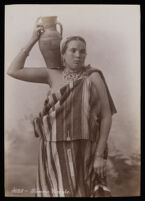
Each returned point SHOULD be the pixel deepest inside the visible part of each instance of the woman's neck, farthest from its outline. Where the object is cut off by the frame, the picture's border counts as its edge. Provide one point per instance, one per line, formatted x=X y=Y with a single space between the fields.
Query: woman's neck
x=76 y=70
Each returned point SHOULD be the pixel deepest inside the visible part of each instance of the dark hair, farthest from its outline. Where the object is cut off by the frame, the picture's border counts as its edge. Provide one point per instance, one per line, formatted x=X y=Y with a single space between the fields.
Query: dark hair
x=67 y=40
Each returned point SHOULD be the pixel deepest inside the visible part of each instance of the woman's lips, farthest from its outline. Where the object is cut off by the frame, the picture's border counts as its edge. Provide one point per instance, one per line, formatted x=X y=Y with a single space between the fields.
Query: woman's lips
x=77 y=61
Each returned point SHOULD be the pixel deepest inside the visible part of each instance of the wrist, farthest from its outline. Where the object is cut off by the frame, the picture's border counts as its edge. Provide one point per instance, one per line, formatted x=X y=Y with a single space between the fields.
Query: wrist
x=33 y=41
x=28 y=48
x=99 y=155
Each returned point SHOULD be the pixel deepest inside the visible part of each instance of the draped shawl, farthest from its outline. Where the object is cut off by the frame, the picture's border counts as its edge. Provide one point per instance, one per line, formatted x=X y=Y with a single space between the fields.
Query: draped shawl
x=67 y=114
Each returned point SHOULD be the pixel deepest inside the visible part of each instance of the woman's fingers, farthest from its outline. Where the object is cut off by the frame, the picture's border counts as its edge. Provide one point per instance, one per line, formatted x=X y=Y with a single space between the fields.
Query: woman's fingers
x=39 y=30
x=100 y=167
x=101 y=171
x=39 y=26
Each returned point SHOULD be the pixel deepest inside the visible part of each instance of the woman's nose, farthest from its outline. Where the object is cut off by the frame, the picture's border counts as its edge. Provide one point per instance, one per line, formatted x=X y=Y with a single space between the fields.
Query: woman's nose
x=77 y=54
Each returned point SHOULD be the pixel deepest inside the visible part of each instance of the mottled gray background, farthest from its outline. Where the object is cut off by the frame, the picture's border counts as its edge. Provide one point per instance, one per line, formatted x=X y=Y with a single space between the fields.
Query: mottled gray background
x=112 y=33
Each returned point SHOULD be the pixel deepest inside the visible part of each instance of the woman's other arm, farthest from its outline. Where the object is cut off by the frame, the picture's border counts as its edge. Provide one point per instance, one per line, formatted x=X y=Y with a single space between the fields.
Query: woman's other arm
x=17 y=70
x=105 y=123
x=106 y=116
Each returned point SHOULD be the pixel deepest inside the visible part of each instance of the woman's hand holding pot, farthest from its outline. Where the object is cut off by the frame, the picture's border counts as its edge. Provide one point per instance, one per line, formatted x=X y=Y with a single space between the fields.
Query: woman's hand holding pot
x=38 y=30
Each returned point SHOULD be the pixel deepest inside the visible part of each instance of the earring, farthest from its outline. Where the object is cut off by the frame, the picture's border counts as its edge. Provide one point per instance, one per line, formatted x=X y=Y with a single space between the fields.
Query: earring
x=62 y=61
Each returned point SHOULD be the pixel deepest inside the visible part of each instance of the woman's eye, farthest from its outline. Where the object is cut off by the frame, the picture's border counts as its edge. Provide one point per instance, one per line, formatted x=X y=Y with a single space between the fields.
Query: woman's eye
x=73 y=50
x=83 y=52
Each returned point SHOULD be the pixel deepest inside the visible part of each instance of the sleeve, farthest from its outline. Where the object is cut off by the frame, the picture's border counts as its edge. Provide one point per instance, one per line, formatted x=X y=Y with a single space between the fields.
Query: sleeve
x=111 y=102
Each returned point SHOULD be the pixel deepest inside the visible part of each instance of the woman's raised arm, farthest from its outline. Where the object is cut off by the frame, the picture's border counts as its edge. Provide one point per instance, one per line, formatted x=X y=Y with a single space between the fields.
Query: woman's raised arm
x=17 y=70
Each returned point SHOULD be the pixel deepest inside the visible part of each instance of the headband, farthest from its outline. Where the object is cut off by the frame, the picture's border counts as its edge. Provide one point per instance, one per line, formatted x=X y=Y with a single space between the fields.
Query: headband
x=65 y=41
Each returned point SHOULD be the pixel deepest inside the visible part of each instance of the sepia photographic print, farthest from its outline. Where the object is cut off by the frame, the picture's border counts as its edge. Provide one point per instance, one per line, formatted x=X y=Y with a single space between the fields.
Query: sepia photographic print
x=72 y=100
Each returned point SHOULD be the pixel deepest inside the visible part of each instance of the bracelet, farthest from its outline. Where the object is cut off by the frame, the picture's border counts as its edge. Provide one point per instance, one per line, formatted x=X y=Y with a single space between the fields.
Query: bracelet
x=23 y=50
x=98 y=155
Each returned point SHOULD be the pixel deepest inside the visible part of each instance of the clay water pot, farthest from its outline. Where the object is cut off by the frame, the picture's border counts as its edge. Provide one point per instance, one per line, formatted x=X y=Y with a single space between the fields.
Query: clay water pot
x=49 y=42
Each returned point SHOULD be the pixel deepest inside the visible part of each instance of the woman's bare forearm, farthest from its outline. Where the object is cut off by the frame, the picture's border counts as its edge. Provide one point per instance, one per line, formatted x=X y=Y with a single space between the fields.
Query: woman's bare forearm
x=104 y=133
x=19 y=61
x=17 y=70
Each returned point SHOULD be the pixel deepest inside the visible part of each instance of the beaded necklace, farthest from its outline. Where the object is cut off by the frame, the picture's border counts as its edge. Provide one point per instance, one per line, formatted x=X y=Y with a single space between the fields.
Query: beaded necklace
x=70 y=76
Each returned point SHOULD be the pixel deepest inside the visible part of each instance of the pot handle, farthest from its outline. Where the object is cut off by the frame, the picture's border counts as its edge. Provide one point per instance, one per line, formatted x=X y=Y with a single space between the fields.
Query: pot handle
x=61 y=28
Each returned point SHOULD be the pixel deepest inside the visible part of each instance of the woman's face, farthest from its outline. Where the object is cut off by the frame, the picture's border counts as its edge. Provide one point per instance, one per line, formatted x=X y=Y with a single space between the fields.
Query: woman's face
x=75 y=54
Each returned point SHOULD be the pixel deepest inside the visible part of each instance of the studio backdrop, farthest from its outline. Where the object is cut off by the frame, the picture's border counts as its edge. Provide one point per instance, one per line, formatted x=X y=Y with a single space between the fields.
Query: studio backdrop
x=112 y=33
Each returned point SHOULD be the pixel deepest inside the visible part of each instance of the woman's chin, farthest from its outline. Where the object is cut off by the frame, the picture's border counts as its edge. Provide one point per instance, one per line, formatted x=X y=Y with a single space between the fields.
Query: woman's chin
x=76 y=67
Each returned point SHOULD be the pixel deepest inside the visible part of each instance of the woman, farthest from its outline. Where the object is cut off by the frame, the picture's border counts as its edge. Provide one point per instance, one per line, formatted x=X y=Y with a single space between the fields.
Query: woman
x=74 y=124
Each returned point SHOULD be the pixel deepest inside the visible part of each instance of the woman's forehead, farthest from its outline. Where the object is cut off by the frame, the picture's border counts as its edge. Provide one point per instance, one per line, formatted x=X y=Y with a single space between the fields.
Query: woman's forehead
x=76 y=44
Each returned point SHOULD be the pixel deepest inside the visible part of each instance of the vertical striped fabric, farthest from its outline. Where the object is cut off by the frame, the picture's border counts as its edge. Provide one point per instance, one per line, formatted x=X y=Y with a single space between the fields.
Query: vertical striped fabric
x=65 y=169
x=68 y=129
x=67 y=114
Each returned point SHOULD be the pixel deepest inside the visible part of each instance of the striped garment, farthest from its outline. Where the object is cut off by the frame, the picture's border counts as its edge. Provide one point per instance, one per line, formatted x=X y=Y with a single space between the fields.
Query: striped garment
x=68 y=129
x=70 y=113
x=65 y=169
